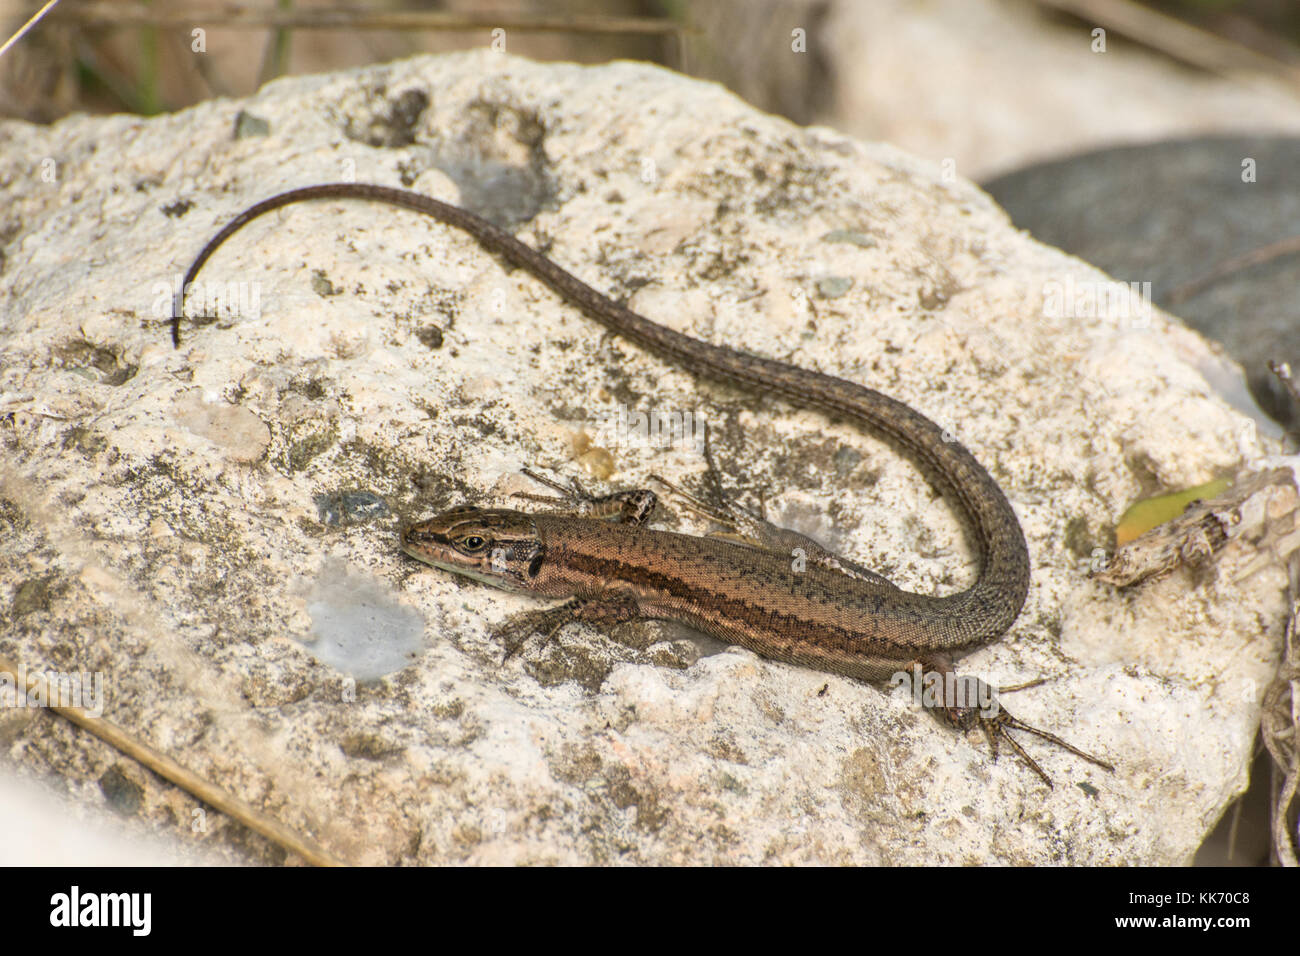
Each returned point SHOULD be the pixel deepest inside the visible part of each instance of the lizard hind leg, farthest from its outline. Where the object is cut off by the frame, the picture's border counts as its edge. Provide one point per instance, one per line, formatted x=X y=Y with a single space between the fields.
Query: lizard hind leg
x=966 y=702
x=1003 y=722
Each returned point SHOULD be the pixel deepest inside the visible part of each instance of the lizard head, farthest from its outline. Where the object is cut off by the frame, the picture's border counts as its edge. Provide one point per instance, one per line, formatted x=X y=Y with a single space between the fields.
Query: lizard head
x=496 y=546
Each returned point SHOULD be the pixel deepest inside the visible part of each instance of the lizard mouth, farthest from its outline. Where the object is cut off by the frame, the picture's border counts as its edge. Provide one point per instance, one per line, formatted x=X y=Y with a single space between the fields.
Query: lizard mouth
x=436 y=550
x=472 y=571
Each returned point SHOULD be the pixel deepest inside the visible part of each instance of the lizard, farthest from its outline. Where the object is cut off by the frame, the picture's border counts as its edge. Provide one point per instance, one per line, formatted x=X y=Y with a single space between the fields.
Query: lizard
x=610 y=567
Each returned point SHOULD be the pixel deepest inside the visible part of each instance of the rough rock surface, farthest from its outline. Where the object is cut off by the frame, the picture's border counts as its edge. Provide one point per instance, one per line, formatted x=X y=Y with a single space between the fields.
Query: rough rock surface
x=190 y=523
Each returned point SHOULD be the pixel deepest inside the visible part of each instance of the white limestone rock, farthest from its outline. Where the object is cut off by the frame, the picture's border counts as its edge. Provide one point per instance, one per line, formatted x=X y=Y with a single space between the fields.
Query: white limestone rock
x=163 y=512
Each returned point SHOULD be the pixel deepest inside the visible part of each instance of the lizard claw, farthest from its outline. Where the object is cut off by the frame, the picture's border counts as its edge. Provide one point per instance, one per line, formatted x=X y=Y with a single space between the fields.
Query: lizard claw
x=996 y=722
x=515 y=633
x=997 y=726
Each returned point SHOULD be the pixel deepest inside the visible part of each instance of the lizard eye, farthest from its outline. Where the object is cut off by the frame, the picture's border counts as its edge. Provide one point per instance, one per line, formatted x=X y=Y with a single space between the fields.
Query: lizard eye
x=473 y=542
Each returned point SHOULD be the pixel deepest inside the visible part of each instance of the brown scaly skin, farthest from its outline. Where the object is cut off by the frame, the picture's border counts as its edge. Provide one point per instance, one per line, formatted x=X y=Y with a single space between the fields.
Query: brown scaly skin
x=816 y=617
